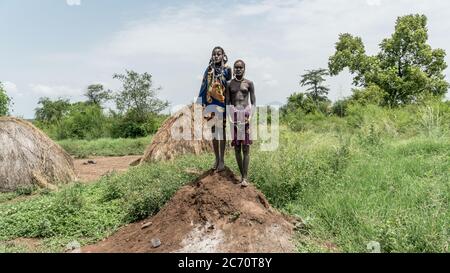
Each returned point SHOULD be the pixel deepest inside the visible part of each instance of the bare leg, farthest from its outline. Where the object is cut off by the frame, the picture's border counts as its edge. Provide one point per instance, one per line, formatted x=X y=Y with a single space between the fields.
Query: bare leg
x=215 y=143
x=246 y=161
x=237 y=151
x=221 y=160
x=222 y=146
x=245 y=164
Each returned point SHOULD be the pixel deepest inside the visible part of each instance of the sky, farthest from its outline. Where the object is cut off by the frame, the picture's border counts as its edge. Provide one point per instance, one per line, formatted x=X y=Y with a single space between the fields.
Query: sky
x=56 y=48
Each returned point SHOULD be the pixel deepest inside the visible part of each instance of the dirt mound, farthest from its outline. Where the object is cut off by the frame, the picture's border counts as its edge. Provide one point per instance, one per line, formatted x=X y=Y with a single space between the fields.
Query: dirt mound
x=166 y=147
x=212 y=214
x=28 y=156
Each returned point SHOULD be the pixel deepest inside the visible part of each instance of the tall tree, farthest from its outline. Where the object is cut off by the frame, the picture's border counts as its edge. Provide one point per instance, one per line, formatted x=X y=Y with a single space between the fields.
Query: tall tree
x=51 y=111
x=5 y=101
x=96 y=94
x=138 y=95
x=406 y=67
x=315 y=79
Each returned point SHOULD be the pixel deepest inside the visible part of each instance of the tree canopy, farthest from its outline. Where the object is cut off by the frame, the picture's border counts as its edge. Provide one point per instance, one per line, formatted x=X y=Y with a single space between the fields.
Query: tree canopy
x=96 y=94
x=138 y=96
x=315 y=79
x=405 y=69
x=49 y=111
x=5 y=101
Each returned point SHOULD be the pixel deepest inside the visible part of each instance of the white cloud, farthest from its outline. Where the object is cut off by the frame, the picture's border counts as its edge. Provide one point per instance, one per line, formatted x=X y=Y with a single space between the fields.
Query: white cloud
x=278 y=40
x=255 y=8
x=373 y=2
x=10 y=87
x=73 y=2
x=269 y=80
x=176 y=33
x=54 y=90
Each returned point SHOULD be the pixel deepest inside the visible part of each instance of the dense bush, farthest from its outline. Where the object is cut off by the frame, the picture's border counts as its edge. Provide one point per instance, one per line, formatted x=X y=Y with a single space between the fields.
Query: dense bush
x=340 y=107
x=84 y=121
x=63 y=120
x=89 y=121
x=128 y=126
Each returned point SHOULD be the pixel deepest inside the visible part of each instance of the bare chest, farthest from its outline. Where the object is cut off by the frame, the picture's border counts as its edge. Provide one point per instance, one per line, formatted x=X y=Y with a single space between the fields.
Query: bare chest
x=239 y=87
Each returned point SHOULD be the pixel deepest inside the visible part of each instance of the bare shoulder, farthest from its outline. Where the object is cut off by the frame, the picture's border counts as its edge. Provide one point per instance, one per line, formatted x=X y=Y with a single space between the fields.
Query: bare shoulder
x=249 y=82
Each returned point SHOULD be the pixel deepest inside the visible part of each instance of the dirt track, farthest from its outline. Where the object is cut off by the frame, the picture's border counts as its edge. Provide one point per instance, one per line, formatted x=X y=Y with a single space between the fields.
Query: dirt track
x=91 y=172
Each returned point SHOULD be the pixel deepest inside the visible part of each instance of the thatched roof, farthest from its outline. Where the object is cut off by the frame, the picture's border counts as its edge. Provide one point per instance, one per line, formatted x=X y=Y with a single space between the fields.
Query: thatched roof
x=165 y=147
x=29 y=157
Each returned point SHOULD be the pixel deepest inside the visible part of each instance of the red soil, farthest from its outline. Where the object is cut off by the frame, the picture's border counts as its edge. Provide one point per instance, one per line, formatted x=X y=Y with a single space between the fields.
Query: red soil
x=212 y=214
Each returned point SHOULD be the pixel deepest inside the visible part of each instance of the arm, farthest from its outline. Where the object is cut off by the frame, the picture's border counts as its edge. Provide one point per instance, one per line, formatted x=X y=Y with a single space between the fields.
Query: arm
x=227 y=95
x=229 y=73
x=202 y=94
x=252 y=98
x=252 y=94
x=228 y=99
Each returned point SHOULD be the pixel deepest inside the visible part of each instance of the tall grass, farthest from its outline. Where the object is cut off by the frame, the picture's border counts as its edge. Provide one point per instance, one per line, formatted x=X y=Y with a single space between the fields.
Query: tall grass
x=393 y=186
x=377 y=175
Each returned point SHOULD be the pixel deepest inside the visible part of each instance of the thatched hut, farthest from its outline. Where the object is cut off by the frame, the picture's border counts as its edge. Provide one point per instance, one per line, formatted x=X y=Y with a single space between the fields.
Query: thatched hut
x=28 y=157
x=188 y=123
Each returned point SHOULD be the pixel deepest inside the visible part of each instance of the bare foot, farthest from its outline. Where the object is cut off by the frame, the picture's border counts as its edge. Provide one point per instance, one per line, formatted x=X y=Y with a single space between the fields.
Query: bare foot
x=220 y=167
x=244 y=183
x=216 y=164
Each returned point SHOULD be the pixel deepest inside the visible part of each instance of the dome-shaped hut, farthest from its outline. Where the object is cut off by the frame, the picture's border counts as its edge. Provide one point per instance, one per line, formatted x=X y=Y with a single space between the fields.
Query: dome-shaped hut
x=171 y=141
x=29 y=157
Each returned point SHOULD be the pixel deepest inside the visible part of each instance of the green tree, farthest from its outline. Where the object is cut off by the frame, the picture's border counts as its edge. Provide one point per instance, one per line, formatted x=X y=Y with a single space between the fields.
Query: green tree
x=51 y=111
x=298 y=101
x=96 y=94
x=302 y=103
x=138 y=106
x=406 y=68
x=315 y=79
x=138 y=95
x=83 y=121
x=5 y=101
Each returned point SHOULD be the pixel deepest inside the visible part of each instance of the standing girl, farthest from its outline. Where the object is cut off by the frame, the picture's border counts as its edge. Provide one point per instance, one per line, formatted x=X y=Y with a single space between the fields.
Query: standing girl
x=212 y=97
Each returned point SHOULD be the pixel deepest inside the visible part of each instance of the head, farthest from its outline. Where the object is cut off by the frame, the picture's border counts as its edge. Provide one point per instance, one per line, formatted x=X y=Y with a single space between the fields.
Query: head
x=239 y=68
x=218 y=56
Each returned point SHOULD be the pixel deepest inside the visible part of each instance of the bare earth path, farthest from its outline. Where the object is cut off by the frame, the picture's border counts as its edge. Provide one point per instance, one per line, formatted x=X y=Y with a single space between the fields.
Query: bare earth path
x=92 y=172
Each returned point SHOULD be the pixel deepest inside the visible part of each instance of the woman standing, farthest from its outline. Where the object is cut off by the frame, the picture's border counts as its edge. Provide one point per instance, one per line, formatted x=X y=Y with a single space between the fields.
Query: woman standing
x=240 y=96
x=212 y=97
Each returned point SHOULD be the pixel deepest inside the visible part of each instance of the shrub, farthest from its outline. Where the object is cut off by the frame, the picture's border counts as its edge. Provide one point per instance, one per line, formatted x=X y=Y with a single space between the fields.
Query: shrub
x=340 y=107
x=128 y=126
x=70 y=200
x=84 y=121
x=26 y=190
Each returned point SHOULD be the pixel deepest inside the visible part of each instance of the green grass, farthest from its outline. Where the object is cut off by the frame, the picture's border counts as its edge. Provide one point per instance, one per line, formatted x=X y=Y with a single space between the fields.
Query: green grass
x=90 y=212
x=352 y=181
x=105 y=147
x=383 y=195
x=8 y=196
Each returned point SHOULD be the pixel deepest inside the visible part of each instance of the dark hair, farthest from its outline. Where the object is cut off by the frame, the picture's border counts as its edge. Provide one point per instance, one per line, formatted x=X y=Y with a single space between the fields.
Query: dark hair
x=225 y=57
x=239 y=61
